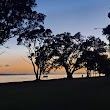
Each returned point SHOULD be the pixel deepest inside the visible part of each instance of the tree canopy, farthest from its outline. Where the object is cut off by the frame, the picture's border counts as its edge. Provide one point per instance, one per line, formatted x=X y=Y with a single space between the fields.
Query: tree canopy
x=17 y=17
x=64 y=51
x=47 y=51
x=90 y=57
x=106 y=30
x=74 y=52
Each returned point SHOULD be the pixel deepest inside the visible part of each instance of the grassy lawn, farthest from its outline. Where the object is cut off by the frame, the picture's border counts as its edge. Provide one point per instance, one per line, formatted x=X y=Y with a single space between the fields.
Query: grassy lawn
x=62 y=94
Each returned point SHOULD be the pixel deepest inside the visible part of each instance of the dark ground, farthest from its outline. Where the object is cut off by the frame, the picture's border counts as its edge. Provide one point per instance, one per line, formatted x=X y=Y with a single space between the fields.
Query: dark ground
x=61 y=94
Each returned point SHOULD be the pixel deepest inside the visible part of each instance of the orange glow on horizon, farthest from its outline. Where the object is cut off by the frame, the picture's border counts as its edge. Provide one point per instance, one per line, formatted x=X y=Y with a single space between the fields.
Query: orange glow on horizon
x=25 y=68
x=16 y=65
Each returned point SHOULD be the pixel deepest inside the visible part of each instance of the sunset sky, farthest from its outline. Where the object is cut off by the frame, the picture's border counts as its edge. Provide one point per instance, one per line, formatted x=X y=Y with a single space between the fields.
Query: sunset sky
x=61 y=16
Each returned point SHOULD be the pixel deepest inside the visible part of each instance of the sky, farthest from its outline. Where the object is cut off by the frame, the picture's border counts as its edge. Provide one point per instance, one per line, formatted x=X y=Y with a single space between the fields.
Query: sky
x=61 y=16
x=75 y=15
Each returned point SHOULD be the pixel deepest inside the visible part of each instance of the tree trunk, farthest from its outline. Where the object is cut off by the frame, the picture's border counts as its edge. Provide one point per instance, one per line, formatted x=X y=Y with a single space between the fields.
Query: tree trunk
x=69 y=75
x=88 y=74
x=36 y=74
x=40 y=74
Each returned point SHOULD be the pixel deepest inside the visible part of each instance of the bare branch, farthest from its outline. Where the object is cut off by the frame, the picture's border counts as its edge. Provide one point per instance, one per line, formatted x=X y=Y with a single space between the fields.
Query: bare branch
x=25 y=60
x=2 y=52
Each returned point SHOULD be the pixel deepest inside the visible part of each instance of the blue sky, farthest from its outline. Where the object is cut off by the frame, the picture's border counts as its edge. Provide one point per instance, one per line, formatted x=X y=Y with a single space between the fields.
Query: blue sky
x=61 y=16
x=75 y=15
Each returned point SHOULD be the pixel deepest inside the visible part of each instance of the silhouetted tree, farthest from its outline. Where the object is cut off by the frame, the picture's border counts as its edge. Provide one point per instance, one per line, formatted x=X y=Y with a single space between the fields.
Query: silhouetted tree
x=20 y=20
x=104 y=65
x=106 y=31
x=37 y=47
x=88 y=61
x=14 y=17
x=65 y=49
x=41 y=52
x=93 y=49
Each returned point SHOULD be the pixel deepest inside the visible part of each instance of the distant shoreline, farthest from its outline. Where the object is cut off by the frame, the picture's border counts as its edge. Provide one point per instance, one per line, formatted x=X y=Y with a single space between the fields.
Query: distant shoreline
x=34 y=74
x=14 y=74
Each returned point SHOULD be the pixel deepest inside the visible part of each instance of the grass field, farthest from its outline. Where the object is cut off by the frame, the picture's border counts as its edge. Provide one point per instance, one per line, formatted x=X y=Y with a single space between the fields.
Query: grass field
x=61 y=94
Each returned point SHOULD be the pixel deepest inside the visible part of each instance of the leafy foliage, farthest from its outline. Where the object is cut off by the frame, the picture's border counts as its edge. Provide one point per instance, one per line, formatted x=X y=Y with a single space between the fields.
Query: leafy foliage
x=37 y=46
x=65 y=49
x=106 y=30
x=17 y=18
x=94 y=48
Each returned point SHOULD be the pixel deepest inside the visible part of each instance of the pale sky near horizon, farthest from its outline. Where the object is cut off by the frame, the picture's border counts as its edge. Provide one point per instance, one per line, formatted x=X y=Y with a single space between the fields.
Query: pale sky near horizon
x=61 y=16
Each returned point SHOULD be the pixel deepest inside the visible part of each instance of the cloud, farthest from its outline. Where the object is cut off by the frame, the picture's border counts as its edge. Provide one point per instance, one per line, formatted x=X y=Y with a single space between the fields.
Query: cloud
x=7 y=65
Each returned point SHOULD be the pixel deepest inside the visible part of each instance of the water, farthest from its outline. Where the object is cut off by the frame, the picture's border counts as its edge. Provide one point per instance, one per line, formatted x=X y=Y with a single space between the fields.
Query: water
x=20 y=78
x=16 y=78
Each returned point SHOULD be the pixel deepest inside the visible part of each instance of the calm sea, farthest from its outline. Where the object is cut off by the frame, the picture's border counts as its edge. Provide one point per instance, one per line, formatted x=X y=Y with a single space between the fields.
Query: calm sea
x=20 y=78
